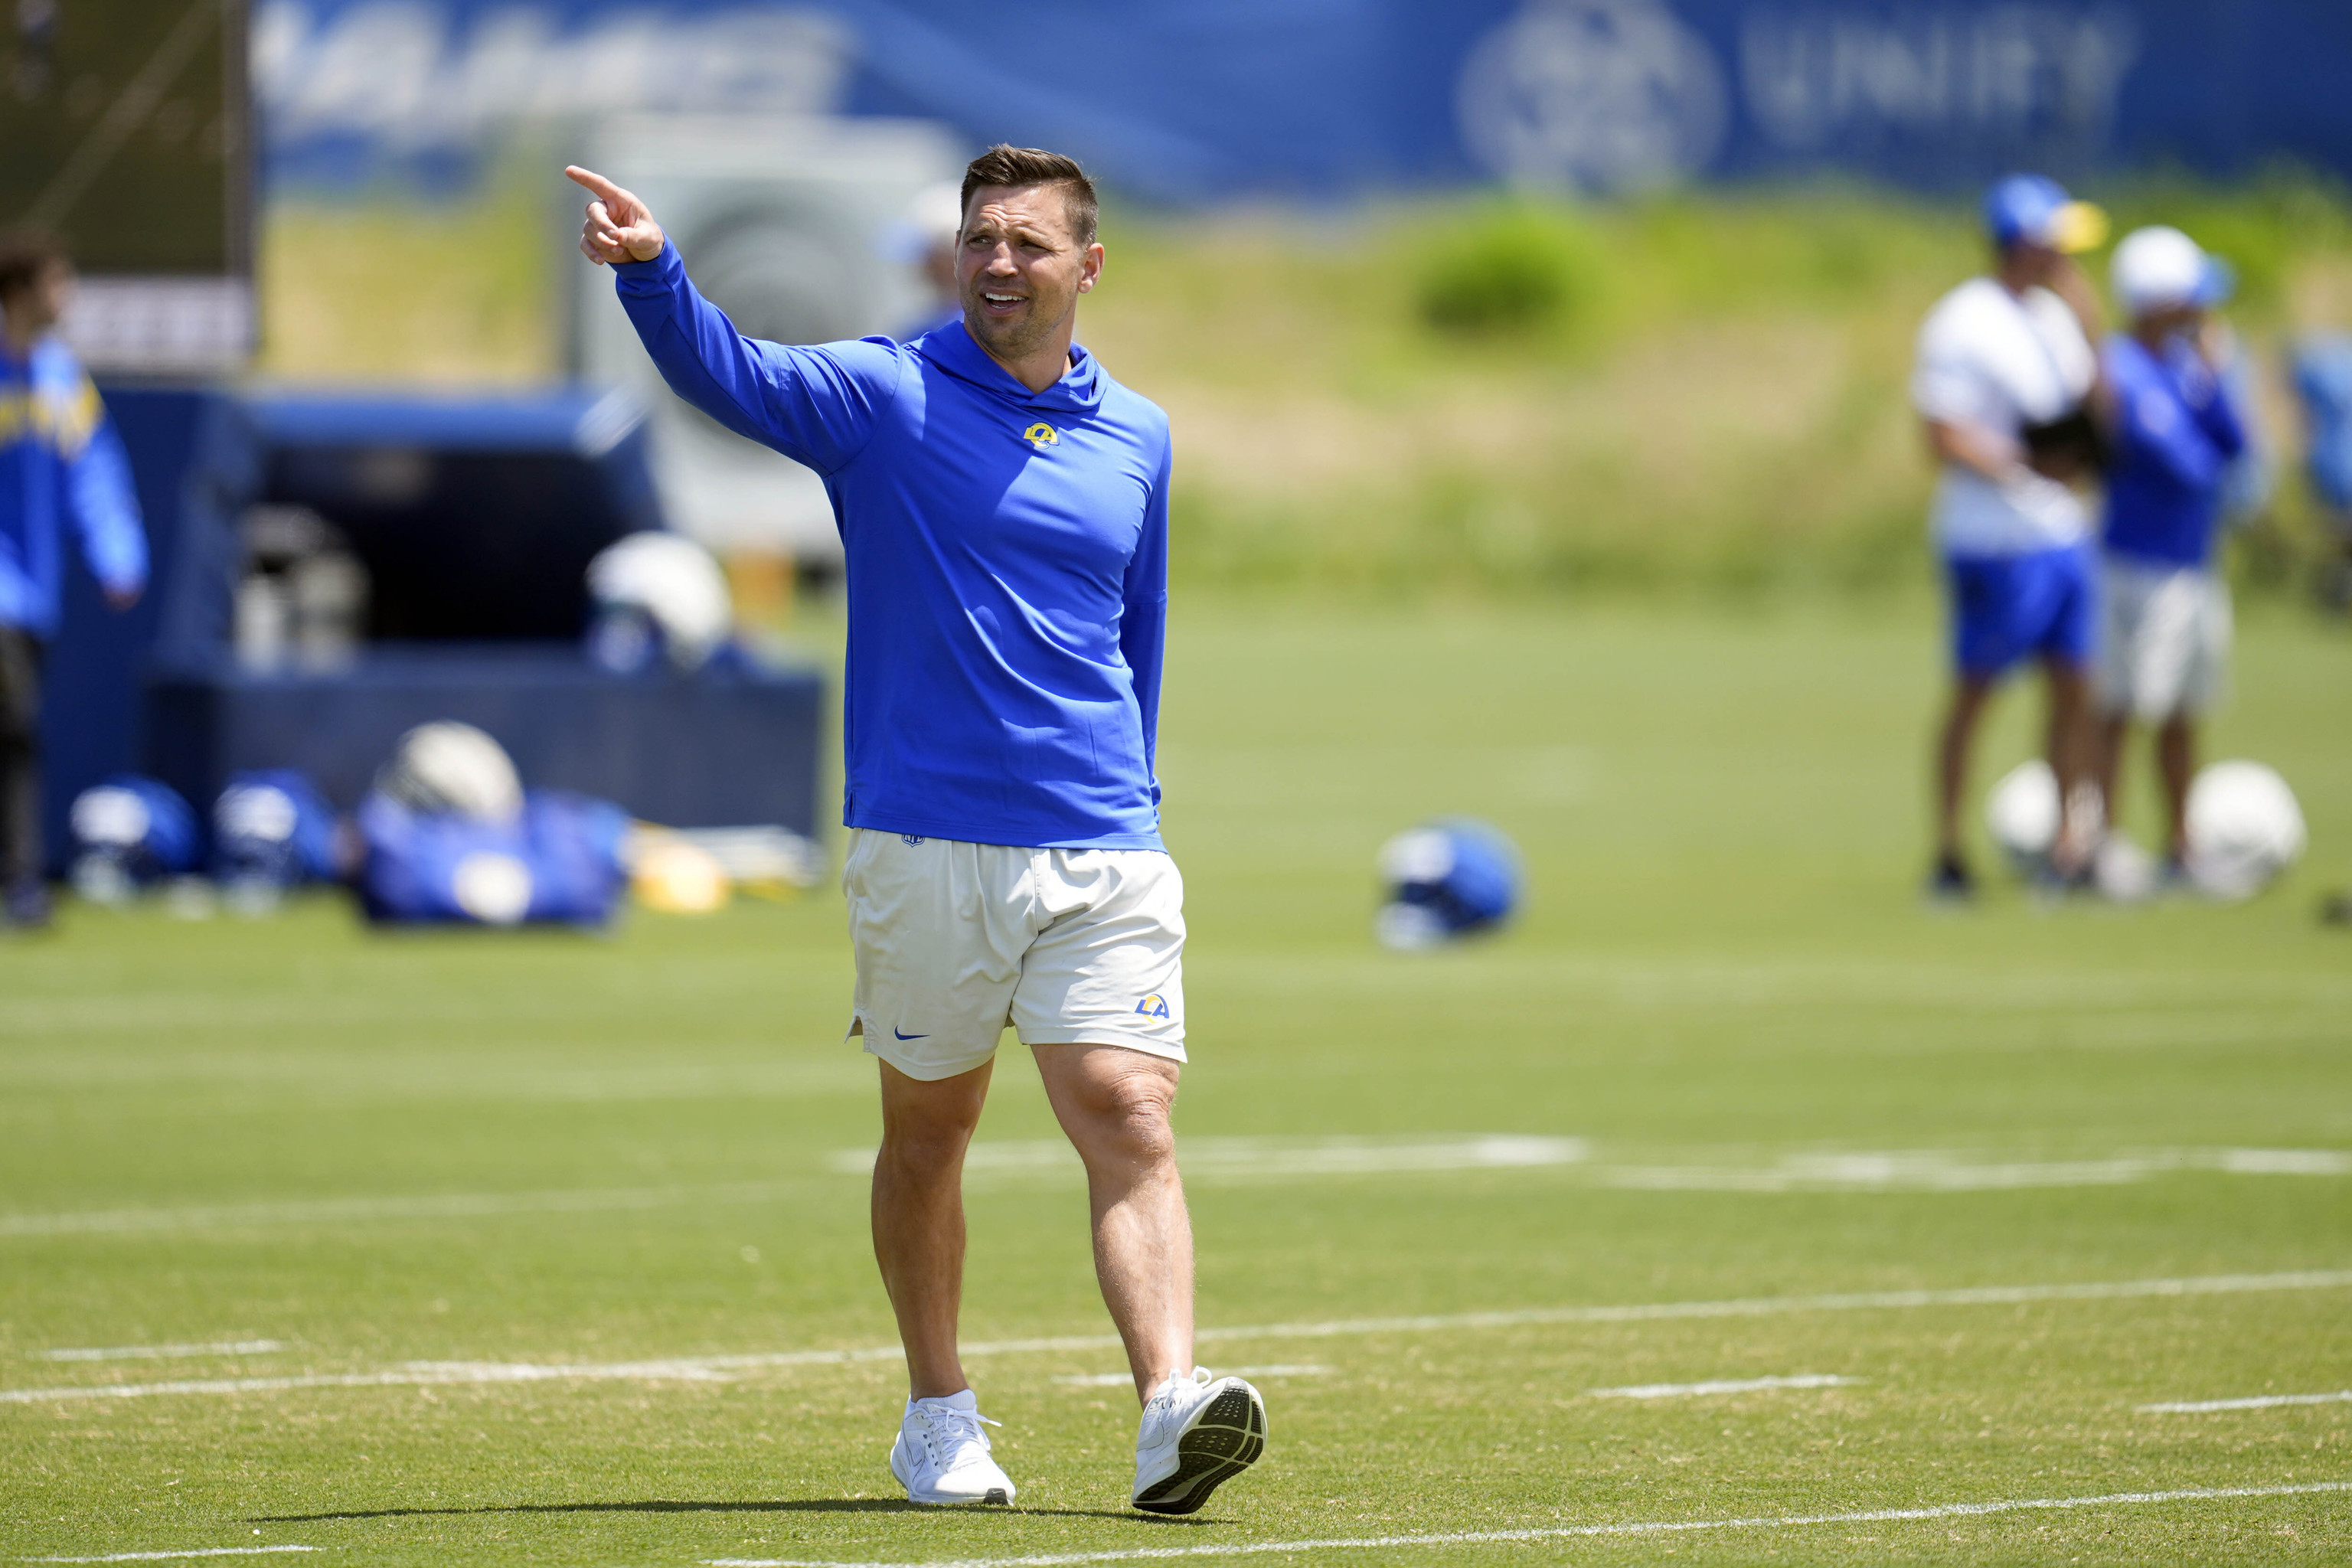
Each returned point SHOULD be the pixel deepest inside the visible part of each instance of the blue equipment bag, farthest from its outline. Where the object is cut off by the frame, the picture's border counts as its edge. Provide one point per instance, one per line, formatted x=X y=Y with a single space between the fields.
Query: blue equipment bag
x=561 y=862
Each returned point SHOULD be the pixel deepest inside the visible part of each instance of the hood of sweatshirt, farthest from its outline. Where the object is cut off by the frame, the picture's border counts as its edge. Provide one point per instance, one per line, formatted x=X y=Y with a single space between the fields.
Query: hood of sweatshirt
x=949 y=347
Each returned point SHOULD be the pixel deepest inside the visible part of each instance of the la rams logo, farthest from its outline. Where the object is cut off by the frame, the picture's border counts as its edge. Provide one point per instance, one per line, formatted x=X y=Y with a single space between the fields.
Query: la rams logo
x=1153 y=1006
x=1041 y=435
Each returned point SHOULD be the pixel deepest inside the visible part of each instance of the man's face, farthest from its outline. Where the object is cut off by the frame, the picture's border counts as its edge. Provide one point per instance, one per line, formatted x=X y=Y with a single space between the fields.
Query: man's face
x=42 y=303
x=1019 y=269
x=2181 y=320
x=2039 y=262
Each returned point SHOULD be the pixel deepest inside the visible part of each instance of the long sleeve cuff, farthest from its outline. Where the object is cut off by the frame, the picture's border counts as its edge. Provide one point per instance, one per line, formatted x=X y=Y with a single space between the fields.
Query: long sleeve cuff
x=654 y=276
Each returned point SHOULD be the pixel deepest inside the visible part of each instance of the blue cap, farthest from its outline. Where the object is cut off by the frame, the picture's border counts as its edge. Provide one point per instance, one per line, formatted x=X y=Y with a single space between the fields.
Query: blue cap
x=2036 y=210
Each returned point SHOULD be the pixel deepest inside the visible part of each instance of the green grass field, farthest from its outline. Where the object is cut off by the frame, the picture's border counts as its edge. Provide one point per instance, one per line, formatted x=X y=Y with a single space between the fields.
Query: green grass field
x=539 y=1230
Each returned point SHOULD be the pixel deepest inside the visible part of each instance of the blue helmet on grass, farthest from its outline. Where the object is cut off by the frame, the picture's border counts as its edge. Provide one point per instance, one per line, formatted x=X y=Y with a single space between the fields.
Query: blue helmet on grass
x=1444 y=880
x=272 y=830
x=129 y=832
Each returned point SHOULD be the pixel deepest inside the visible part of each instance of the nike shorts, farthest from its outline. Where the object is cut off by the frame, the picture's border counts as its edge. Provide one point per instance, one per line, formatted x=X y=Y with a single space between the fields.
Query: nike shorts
x=2005 y=608
x=2167 y=639
x=956 y=940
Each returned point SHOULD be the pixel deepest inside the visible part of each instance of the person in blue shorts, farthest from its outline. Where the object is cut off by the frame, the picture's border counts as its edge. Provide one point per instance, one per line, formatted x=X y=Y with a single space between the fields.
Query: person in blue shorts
x=1002 y=505
x=2179 y=427
x=2006 y=384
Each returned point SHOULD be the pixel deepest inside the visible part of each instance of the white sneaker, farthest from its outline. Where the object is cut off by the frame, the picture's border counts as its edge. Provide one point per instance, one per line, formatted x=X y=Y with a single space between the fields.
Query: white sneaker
x=1197 y=1433
x=942 y=1454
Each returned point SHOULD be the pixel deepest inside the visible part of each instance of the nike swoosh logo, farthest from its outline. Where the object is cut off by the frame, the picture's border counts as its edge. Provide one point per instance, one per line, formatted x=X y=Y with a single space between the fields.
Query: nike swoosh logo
x=894 y=1029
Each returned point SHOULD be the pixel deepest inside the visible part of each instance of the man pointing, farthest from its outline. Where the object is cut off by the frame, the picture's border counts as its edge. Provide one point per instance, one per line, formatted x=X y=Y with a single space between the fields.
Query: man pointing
x=1004 y=513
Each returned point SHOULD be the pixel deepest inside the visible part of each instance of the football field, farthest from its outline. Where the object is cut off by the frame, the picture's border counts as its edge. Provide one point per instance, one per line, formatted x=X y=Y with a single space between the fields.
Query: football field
x=1733 y=1205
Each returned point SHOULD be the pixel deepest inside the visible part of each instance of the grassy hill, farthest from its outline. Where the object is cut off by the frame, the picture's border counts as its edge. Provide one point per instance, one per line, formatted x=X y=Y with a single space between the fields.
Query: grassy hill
x=1472 y=396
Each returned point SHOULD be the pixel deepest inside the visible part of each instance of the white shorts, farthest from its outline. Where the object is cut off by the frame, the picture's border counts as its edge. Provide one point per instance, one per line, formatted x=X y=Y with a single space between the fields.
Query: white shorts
x=2166 y=643
x=955 y=940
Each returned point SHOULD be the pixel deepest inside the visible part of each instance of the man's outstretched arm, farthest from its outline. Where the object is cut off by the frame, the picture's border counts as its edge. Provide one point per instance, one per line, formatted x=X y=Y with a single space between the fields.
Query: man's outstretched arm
x=816 y=405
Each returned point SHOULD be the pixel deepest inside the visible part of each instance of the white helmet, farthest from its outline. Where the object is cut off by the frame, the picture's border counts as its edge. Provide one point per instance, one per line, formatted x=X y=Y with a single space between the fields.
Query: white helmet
x=2244 y=829
x=447 y=767
x=675 y=584
x=2022 y=813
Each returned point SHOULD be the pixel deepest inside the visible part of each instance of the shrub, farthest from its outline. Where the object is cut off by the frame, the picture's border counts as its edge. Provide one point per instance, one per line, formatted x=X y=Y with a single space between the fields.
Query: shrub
x=1510 y=268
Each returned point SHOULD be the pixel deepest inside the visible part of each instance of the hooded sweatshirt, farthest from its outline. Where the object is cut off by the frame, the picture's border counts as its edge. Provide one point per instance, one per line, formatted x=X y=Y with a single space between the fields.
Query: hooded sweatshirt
x=61 y=460
x=1007 y=560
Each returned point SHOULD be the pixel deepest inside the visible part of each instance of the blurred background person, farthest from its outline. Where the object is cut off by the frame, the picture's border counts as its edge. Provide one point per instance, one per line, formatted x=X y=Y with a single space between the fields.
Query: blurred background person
x=2004 y=379
x=59 y=459
x=925 y=239
x=2178 y=428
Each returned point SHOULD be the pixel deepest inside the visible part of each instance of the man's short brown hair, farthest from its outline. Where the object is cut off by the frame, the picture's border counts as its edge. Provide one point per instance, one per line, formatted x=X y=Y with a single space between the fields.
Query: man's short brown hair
x=1015 y=168
x=25 y=254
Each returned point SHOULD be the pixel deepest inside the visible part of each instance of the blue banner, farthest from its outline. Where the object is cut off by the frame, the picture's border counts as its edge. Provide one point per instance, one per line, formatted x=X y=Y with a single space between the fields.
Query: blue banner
x=1203 y=101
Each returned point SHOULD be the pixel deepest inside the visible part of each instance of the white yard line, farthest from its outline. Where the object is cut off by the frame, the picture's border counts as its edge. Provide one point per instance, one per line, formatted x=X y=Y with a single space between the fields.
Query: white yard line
x=1121 y=1379
x=162 y=1556
x=1239 y=1161
x=336 y=1211
x=2255 y=1402
x=710 y=1368
x=164 y=1352
x=1725 y=1385
x=1571 y=1532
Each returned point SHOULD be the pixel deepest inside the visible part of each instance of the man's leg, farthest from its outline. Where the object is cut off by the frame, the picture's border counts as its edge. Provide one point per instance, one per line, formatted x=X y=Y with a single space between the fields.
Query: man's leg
x=20 y=775
x=2071 y=744
x=1958 y=739
x=1114 y=1104
x=2112 y=733
x=2175 y=761
x=919 y=1232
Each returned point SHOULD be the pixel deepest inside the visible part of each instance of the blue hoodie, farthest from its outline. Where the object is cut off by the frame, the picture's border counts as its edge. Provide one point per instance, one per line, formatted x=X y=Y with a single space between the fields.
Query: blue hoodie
x=1007 y=554
x=59 y=458
x=2178 y=430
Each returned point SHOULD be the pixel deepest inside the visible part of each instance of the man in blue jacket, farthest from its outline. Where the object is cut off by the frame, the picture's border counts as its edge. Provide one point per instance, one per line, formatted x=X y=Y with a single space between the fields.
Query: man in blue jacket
x=59 y=459
x=1002 y=505
x=2178 y=430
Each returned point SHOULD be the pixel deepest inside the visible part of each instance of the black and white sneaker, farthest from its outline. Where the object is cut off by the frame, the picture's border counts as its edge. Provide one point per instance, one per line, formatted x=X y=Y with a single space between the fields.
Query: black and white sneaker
x=1199 y=1432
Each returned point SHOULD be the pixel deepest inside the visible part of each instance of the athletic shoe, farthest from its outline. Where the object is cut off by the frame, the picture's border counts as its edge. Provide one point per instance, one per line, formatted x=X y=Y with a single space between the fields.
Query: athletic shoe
x=1949 y=882
x=942 y=1454
x=1199 y=1432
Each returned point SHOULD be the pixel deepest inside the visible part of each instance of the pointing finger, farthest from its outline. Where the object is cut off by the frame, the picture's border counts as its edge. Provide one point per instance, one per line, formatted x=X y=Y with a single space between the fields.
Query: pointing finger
x=594 y=180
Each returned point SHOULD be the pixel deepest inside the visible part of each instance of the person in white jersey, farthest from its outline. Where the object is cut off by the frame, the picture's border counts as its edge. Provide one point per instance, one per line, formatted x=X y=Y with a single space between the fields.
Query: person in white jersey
x=2007 y=384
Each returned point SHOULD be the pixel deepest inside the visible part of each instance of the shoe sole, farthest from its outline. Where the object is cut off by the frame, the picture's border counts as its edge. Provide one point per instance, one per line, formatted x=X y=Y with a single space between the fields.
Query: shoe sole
x=1224 y=1440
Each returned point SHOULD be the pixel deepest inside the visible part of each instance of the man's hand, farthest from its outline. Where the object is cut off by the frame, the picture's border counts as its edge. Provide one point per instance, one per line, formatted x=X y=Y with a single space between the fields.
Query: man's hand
x=619 y=228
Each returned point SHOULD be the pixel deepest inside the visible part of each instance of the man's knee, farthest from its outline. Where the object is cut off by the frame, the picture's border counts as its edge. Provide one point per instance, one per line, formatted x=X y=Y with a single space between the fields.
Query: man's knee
x=1124 y=1114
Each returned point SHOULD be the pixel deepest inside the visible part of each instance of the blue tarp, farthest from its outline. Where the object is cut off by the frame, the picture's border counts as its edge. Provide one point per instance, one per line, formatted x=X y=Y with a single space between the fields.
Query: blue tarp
x=1190 y=101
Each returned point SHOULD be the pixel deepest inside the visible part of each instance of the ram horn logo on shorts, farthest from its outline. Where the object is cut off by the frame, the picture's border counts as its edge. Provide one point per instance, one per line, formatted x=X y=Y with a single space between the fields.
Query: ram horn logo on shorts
x=1041 y=435
x=1153 y=1006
